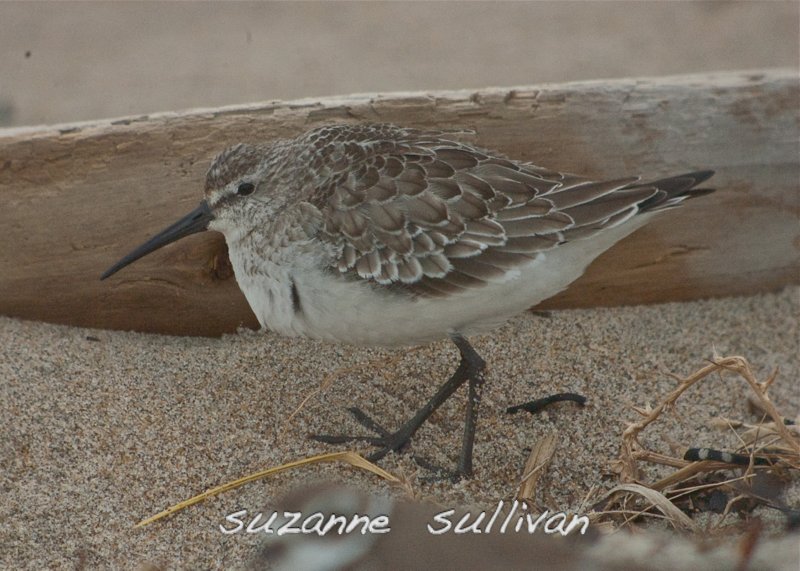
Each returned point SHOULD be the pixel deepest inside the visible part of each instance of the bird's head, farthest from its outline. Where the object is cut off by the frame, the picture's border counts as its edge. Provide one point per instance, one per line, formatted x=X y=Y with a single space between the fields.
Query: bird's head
x=236 y=187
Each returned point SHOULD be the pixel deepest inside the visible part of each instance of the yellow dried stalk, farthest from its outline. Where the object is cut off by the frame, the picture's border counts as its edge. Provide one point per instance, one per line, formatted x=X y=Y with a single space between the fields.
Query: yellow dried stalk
x=348 y=457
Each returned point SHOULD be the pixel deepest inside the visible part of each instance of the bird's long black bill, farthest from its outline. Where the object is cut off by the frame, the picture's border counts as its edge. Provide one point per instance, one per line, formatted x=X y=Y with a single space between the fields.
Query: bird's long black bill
x=196 y=221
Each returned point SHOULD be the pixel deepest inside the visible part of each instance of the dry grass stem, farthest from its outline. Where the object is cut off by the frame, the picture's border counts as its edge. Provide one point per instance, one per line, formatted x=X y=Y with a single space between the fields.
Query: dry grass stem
x=348 y=457
x=657 y=500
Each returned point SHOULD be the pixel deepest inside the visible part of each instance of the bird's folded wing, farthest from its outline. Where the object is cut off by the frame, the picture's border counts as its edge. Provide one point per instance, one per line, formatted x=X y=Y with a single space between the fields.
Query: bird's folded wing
x=438 y=216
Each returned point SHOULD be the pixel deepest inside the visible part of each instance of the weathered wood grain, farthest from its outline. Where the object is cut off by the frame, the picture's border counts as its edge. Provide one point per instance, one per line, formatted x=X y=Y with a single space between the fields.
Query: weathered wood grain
x=76 y=197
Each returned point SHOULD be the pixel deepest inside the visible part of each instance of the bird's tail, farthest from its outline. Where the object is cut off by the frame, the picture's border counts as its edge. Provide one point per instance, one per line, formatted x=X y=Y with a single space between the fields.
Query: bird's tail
x=674 y=190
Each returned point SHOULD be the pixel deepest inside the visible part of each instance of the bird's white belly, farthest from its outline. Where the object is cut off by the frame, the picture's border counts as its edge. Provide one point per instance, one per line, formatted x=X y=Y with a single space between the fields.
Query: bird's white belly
x=328 y=306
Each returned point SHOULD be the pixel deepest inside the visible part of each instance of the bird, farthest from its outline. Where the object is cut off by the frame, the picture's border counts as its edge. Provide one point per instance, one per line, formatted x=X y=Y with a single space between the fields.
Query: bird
x=375 y=234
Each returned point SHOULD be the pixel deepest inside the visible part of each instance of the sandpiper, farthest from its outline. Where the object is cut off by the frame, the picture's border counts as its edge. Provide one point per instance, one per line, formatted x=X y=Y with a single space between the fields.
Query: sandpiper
x=381 y=235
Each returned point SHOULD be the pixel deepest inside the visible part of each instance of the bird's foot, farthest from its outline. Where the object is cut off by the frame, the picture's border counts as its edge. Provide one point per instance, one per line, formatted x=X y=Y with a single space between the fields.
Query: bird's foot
x=388 y=442
x=470 y=369
x=385 y=441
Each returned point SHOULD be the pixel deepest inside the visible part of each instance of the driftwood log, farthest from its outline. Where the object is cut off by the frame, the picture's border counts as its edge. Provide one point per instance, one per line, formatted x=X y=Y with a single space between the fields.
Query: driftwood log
x=77 y=197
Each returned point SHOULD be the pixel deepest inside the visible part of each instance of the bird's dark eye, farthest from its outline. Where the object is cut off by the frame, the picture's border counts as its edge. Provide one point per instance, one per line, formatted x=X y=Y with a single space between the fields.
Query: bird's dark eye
x=245 y=188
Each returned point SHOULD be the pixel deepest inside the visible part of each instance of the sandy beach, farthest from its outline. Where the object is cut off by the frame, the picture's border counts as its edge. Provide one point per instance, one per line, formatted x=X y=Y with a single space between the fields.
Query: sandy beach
x=102 y=429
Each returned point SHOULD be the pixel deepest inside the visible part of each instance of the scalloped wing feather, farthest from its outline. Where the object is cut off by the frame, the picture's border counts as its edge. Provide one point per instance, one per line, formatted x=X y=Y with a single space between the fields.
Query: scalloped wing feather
x=439 y=217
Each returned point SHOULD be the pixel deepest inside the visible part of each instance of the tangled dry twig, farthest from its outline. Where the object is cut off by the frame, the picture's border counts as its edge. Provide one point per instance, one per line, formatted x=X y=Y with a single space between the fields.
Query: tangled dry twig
x=776 y=444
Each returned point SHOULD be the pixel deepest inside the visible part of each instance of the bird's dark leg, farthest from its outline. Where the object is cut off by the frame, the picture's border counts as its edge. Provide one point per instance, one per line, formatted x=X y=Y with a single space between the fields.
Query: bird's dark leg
x=476 y=380
x=470 y=368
